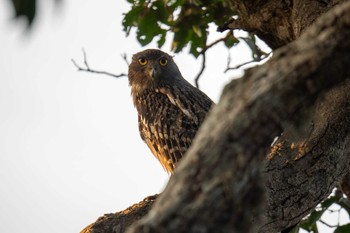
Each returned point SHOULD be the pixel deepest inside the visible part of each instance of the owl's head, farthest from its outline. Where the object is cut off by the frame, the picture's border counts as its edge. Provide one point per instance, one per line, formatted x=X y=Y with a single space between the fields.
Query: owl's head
x=152 y=68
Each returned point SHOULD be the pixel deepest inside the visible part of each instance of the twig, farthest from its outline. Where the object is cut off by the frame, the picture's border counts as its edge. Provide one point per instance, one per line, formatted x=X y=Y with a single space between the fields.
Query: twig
x=234 y=23
x=201 y=71
x=216 y=42
x=203 y=51
x=88 y=69
x=328 y=225
x=243 y=64
x=125 y=58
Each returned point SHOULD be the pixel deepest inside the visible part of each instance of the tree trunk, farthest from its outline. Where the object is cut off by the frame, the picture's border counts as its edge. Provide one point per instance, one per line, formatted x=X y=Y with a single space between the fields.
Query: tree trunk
x=232 y=179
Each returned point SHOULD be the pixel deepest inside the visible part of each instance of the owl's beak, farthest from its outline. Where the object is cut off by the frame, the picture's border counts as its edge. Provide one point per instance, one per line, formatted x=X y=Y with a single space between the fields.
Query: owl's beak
x=153 y=72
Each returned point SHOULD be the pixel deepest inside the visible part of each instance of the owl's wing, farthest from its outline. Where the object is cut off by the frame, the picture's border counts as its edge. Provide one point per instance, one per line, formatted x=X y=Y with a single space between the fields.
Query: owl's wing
x=165 y=142
x=192 y=102
x=169 y=128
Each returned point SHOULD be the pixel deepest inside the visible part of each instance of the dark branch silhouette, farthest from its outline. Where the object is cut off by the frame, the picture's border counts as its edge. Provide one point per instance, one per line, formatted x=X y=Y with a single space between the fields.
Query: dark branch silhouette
x=201 y=71
x=88 y=69
x=243 y=64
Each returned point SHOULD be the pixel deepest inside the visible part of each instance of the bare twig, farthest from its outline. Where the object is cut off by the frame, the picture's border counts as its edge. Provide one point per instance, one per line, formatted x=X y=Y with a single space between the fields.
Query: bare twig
x=216 y=42
x=201 y=71
x=232 y=24
x=88 y=69
x=243 y=64
x=125 y=58
x=328 y=225
x=203 y=51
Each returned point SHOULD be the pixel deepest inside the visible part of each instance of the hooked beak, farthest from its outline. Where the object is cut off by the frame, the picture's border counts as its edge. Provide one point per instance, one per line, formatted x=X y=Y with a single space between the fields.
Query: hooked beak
x=153 y=72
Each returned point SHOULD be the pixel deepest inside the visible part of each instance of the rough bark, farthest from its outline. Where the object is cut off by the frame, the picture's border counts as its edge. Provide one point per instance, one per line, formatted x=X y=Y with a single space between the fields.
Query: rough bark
x=278 y=22
x=303 y=92
x=120 y=221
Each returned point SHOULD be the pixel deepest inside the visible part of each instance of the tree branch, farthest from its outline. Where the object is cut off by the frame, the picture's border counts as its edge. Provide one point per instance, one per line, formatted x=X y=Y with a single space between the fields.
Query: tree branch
x=223 y=39
x=203 y=53
x=120 y=221
x=228 y=68
x=88 y=69
x=201 y=71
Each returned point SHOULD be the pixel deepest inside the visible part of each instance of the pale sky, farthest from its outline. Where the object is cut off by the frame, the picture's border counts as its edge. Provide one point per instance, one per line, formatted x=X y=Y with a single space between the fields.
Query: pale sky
x=70 y=150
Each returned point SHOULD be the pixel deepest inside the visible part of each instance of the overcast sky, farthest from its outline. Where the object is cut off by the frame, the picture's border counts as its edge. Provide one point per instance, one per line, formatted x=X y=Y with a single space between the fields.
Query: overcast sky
x=70 y=150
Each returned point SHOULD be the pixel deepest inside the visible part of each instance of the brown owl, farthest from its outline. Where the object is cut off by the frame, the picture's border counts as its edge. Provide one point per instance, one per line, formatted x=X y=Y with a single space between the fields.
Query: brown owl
x=170 y=110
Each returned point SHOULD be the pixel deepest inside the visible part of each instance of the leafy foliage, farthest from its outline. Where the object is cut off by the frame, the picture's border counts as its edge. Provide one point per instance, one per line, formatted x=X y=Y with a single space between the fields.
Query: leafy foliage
x=25 y=8
x=188 y=20
x=309 y=224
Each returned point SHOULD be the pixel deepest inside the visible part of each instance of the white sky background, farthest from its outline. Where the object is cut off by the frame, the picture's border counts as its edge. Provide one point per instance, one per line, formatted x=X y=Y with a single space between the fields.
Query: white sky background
x=70 y=150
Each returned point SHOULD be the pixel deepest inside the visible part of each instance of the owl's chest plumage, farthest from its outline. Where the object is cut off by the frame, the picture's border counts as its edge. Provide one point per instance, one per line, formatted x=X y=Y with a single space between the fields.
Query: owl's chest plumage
x=167 y=123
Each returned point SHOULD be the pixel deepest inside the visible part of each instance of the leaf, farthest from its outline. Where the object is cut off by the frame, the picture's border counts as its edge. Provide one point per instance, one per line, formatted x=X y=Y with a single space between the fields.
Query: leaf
x=162 y=38
x=26 y=8
x=295 y=229
x=187 y=20
x=231 y=41
x=343 y=229
x=315 y=216
x=345 y=204
x=197 y=30
x=131 y=18
x=180 y=40
x=328 y=202
x=148 y=27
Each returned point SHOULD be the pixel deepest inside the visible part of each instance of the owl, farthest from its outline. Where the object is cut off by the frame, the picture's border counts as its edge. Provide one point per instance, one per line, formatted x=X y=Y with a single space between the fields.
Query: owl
x=170 y=110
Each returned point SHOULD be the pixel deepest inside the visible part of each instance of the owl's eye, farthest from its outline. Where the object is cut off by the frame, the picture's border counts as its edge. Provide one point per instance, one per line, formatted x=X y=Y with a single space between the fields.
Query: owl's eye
x=143 y=61
x=163 y=61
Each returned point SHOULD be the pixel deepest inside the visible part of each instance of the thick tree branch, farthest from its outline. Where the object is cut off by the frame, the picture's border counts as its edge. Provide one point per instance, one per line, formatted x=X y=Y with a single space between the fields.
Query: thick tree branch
x=120 y=221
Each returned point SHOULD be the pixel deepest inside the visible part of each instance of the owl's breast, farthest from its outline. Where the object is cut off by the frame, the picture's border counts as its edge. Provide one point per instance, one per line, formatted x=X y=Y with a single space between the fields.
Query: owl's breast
x=168 y=122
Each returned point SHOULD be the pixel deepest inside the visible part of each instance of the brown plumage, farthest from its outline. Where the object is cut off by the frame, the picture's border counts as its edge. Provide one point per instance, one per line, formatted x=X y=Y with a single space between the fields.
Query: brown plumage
x=170 y=110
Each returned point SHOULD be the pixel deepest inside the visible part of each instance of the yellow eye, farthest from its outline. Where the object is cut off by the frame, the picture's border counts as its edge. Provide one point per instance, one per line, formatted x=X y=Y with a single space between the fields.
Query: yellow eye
x=163 y=61
x=143 y=61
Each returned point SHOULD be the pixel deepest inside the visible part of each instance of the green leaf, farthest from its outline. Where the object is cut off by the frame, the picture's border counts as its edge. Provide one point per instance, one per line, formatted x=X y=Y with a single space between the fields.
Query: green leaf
x=343 y=229
x=162 y=38
x=345 y=204
x=197 y=30
x=25 y=8
x=309 y=223
x=295 y=229
x=148 y=27
x=131 y=18
x=231 y=41
x=180 y=40
x=187 y=20
x=328 y=202
x=315 y=216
